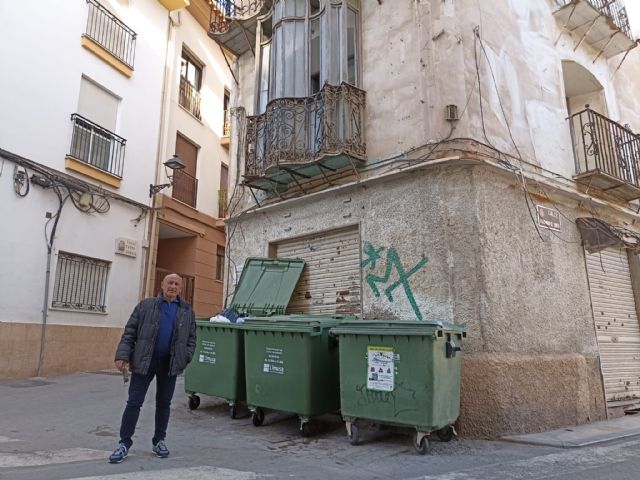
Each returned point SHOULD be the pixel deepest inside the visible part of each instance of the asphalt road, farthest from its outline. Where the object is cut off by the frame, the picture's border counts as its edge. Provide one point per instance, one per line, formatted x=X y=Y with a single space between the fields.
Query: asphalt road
x=65 y=428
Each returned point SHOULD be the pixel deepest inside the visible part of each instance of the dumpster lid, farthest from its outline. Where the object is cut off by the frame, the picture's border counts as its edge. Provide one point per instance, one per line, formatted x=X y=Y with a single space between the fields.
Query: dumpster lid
x=266 y=285
x=398 y=327
x=313 y=324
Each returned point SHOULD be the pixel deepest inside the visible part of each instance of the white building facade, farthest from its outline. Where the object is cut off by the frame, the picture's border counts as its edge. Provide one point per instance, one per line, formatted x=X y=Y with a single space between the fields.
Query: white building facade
x=82 y=137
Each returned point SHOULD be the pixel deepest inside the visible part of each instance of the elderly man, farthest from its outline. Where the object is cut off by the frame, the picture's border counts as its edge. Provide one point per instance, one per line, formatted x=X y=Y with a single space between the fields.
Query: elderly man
x=158 y=341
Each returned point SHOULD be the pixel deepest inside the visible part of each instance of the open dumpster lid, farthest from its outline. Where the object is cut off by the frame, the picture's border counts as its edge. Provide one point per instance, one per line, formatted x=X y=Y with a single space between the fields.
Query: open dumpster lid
x=266 y=285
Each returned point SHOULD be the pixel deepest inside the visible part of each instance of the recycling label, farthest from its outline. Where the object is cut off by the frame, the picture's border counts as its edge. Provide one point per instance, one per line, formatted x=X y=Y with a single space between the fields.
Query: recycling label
x=380 y=369
x=207 y=352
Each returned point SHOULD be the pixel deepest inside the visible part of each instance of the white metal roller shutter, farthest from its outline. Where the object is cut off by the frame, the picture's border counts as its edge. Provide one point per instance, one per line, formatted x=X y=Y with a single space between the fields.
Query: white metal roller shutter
x=616 y=321
x=330 y=282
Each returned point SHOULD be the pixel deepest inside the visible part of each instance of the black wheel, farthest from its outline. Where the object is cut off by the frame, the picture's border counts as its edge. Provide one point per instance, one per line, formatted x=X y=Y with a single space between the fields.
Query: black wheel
x=194 y=402
x=422 y=447
x=233 y=412
x=257 y=417
x=354 y=437
x=305 y=429
x=446 y=434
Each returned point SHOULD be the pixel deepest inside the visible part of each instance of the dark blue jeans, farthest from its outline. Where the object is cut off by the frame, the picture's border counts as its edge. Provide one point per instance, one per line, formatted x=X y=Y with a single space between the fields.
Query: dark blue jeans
x=165 y=386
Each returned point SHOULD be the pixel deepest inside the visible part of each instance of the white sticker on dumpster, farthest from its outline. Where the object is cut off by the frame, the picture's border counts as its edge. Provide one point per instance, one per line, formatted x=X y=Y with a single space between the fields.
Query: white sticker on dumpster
x=207 y=352
x=380 y=369
x=273 y=362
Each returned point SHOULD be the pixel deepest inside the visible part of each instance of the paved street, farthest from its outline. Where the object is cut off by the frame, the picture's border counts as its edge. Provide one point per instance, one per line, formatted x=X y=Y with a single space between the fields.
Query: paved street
x=65 y=427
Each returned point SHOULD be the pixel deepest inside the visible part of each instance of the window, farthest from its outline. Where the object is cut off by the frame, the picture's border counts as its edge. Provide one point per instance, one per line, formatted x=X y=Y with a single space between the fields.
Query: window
x=93 y=140
x=190 y=83
x=185 y=183
x=226 y=126
x=303 y=45
x=223 y=199
x=219 y=263
x=80 y=283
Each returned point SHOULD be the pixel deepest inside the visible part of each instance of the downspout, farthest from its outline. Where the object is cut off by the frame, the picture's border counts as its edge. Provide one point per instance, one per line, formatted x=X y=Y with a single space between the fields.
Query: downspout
x=146 y=285
x=47 y=278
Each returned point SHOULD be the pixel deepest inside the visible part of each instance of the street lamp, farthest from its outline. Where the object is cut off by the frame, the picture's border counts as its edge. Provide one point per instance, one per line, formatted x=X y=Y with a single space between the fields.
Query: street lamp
x=174 y=163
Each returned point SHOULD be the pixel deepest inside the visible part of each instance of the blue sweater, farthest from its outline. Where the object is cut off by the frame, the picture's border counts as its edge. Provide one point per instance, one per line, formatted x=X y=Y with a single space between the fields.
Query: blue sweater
x=165 y=329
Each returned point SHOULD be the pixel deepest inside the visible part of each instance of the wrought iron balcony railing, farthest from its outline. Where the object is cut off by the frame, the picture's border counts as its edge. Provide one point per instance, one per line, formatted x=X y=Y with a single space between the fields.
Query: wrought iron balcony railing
x=110 y=33
x=223 y=202
x=613 y=9
x=189 y=97
x=97 y=146
x=295 y=132
x=233 y=22
x=607 y=153
x=185 y=187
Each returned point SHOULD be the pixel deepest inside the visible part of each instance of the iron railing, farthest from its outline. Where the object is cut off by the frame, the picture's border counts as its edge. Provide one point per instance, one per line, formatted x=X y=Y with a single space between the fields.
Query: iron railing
x=223 y=201
x=189 y=97
x=604 y=145
x=614 y=9
x=223 y=12
x=185 y=187
x=307 y=129
x=80 y=283
x=108 y=31
x=97 y=146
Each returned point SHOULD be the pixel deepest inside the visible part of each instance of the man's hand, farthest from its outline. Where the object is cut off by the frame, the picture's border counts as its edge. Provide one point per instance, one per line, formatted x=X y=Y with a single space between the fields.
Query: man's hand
x=121 y=365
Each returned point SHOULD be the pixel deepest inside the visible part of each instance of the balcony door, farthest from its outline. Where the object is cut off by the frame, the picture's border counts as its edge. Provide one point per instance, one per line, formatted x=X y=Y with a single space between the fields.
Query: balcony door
x=185 y=184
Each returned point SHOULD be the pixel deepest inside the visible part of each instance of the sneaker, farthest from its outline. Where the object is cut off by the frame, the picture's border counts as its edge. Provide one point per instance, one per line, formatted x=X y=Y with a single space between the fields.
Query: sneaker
x=160 y=449
x=119 y=454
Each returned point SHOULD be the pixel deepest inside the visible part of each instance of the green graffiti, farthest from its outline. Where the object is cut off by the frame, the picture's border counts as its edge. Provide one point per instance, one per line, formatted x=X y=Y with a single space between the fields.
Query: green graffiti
x=393 y=260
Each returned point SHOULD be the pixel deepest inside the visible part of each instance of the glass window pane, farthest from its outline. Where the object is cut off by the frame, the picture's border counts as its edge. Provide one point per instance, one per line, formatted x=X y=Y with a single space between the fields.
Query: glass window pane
x=314 y=7
x=266 y=30
x=315 y=62
x=263 y=91
x=352 y=50
x=295 y=8
x=335 y=46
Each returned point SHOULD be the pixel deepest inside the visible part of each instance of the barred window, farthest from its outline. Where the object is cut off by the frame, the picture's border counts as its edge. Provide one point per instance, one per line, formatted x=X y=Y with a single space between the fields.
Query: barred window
x=80 y=283
x=219 y=263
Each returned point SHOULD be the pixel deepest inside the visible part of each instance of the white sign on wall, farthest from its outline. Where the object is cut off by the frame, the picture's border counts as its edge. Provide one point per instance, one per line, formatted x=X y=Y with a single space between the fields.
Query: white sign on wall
x=548 y=218
x=127 y=246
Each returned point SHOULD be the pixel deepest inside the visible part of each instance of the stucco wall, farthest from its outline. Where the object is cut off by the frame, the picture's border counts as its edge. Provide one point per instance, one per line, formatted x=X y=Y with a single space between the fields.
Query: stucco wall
x=521 y=298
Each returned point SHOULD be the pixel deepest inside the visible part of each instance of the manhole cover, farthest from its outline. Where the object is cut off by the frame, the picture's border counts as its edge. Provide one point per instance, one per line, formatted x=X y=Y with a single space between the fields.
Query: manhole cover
x=26 y=383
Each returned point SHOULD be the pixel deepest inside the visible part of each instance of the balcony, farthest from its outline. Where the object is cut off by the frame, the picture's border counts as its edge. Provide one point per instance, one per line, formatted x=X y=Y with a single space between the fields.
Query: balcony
x=95 y=146
x=301 y=138
x=189 y=98
x=607 y=154
x=185 y=188
x=232 y=23
x=106 y=33
x=603 y=24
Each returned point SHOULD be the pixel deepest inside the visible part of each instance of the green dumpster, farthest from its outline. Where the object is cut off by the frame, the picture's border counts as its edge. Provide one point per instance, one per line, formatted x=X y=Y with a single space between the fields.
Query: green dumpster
x=292 y=366
x=217 y=369
x=400 y=373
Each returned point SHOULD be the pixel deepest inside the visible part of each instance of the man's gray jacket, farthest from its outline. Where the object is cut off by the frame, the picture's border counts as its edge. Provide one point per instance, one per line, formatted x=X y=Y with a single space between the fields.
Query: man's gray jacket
x=139 y=337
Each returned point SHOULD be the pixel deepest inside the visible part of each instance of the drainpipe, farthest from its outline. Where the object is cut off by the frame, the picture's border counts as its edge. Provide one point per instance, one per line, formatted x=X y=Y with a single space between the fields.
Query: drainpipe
x=45 y=313
x=164 y=101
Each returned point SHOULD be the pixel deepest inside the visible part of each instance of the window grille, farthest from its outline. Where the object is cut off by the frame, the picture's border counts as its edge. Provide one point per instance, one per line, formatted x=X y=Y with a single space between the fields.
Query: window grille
x=80 y=283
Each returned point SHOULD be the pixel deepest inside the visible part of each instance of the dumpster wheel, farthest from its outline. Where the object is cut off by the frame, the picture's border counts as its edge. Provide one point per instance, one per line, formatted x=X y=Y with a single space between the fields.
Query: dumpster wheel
x=306 y=429
x=194 y=402
x=233 y=411
x=257 y=417
x=447 y=433
x=421 y=443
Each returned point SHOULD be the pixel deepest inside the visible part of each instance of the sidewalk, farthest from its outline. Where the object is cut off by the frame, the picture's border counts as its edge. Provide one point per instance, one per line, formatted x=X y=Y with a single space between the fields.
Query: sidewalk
x=583 y=435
